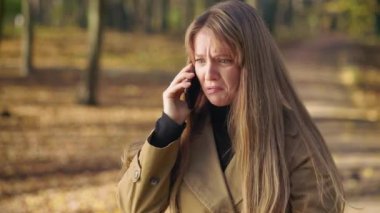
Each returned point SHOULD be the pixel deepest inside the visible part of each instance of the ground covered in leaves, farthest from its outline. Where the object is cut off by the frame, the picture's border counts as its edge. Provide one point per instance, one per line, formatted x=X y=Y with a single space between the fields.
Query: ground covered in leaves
x=59 y=156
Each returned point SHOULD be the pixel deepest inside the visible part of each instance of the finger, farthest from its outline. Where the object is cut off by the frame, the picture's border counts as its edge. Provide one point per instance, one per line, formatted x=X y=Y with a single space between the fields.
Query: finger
x=185 y=76
x=187 y=71
x=187 y=68
x=177 y=89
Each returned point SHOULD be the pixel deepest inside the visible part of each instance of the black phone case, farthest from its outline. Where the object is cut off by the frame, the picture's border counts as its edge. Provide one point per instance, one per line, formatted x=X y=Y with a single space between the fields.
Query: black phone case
x=192 y=92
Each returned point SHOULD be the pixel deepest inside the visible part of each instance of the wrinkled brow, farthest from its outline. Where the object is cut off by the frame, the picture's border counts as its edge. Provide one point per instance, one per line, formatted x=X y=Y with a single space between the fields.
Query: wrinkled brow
x=218 y=53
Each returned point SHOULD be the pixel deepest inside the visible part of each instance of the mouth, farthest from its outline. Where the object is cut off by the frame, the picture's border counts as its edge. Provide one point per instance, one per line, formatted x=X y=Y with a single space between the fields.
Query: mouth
x=213 y=89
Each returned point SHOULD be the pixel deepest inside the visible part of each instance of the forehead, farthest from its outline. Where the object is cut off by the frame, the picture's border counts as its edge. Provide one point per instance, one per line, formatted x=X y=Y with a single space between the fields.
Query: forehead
x=206 y=41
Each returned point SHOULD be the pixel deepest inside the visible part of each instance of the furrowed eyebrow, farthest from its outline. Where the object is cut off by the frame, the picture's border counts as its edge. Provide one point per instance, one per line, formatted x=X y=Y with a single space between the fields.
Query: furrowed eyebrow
x=223 y=55
x=216 y=55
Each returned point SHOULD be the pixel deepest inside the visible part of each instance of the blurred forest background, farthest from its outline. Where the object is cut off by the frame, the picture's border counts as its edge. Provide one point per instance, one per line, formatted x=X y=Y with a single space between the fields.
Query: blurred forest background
x=80 y=79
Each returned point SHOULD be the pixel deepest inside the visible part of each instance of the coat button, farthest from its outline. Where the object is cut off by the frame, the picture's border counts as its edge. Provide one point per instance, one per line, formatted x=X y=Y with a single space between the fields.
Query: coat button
x=154 y=181
x=136 y=175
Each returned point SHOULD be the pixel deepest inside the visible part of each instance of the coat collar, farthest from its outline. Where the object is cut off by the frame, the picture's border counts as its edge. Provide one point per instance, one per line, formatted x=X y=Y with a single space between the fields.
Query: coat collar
x=204 y=176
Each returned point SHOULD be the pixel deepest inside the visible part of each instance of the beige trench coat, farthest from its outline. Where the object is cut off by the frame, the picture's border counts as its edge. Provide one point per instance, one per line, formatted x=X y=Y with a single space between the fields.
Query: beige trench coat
x=144 y=187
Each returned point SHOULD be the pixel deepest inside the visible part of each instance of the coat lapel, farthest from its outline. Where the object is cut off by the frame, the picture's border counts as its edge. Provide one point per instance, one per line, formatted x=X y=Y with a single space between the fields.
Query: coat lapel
x=204 y=176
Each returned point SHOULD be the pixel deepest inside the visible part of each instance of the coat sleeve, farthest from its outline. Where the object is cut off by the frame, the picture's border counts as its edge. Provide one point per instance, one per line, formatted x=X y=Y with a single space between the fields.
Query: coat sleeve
x=145 y=185
x=304 y=194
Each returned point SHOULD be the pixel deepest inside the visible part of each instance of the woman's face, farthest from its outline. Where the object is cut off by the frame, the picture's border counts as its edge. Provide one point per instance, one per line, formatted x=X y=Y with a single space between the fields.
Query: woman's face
x=215 y=68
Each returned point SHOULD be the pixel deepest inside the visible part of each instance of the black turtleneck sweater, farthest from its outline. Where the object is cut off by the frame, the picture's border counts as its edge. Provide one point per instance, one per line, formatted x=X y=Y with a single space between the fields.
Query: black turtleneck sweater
x=219 y=116
x=168 y=130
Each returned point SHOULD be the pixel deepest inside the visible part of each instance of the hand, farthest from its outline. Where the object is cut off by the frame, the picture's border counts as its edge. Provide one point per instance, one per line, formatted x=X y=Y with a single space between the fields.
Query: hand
x=174 y=107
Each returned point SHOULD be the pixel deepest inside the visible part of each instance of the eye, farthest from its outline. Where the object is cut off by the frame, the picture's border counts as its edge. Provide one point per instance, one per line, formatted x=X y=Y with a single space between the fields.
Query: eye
x=225 y=60
x=199 y=60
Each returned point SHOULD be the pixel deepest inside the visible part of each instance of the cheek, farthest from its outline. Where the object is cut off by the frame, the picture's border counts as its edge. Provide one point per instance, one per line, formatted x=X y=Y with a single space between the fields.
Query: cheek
x=200 y=75
x=234 y=80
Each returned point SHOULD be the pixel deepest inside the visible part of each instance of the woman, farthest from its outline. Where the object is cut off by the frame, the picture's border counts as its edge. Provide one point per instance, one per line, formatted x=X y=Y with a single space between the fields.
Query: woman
x=247 y=145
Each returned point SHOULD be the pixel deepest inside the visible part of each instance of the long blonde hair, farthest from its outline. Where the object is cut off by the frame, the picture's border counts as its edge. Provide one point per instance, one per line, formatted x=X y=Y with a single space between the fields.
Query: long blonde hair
x=256 y=120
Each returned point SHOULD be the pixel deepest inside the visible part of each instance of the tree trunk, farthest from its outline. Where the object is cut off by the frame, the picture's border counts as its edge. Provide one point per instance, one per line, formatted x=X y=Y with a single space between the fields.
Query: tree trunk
x=89 y=89
x=378 y=19
x=189 y=7
x=165 y=15
x=27 y=38
x=148 y=19
x=139 y=14
x=114 y=14
x=135 y=12
x=269 y=11
x=81 y=18
x=44 y=8
x=130 y=12
x=2 y=10
x=288 y=17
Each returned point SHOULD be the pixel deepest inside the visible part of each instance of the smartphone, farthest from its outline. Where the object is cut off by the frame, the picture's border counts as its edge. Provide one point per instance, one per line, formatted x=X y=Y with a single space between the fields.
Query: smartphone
x=191 y=93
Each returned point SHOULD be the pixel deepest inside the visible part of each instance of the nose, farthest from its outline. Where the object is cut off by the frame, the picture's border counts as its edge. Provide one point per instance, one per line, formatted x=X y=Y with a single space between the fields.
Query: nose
x=211 y=72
